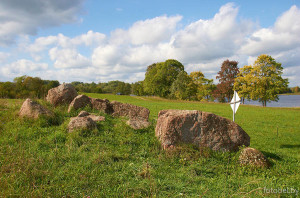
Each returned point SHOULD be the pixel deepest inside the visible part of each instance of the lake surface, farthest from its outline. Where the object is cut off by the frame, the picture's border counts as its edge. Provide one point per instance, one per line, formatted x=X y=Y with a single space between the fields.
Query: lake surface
x=284 y=101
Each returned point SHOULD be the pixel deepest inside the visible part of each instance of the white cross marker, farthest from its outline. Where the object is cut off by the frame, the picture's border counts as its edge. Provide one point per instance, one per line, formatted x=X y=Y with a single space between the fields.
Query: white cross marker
x=235 y=102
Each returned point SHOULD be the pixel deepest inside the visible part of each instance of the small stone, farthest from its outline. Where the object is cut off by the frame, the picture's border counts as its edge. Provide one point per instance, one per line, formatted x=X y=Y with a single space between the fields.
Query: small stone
x=96 y=118
x=138 y=124
x=92 y=116
x=253 y=157
x=81 y=123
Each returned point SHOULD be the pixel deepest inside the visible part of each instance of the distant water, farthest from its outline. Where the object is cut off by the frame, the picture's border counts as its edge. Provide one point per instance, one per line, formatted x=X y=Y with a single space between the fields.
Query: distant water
x=284 y=101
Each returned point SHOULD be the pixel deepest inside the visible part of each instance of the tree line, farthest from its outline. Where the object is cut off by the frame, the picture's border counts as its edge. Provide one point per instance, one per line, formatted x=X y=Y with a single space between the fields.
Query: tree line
x=26 y=86
x=261 y=81
x=114 y=87
x=35 y=87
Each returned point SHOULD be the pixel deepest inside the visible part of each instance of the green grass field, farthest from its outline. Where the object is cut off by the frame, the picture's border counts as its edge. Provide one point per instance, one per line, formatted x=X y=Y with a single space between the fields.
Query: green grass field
x=41 y=159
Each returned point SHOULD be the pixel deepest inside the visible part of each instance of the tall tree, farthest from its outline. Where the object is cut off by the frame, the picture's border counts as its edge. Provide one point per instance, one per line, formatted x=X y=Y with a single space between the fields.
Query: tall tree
x=263 y=80
x=160 y=76
x=204 y=86
x=226 y=76
x=242 y=83
x=183 y=87
x=138 y=89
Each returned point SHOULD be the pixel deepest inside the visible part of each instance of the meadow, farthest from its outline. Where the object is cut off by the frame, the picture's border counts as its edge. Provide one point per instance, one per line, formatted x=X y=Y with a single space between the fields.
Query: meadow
x=39 y=158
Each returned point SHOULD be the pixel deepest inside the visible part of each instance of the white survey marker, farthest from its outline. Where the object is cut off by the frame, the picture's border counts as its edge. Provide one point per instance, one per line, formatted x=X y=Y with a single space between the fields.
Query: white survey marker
x=235 y=103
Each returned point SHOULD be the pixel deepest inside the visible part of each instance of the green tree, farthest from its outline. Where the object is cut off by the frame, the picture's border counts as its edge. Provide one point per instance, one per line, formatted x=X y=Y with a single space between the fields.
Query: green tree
x=34 y=87
x=183 y=87
x=204 y=86
x=7 y=90
x=263 y=81
x=159 y=77
x=138 y=89
x=123 y=88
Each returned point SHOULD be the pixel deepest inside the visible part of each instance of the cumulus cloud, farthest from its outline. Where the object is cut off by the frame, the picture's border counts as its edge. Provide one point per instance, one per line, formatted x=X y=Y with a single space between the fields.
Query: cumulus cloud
x=206 y=40
x=292 y=73
x=68 y=58
x=153 y=31
x=42 y=44
x=22 y=67
x=19 y=17
x=284 y=35
x=89 y=39
x=142 y=44
x=150 y=31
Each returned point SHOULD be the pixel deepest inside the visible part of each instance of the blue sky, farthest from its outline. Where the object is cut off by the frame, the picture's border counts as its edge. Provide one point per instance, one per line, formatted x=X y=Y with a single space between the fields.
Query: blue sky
x=89 y=40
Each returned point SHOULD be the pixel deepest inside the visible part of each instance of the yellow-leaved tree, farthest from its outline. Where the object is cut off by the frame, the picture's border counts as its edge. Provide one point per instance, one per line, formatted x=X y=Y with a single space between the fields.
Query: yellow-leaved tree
x=262 y=81
x=203 y=85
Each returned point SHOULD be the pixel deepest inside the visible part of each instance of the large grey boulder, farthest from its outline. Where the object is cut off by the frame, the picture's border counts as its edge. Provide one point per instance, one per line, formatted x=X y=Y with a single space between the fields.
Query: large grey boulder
x=34 y=110
x=63 y=94
x=199 y=128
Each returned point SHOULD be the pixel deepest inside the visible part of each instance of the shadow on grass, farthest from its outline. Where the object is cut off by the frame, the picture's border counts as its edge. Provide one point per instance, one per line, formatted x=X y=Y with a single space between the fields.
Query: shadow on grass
x=290 y=146
x=272 y=155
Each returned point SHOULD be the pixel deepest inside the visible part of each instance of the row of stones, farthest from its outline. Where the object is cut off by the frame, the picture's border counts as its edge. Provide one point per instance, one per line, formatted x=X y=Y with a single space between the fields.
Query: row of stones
x=173 y=126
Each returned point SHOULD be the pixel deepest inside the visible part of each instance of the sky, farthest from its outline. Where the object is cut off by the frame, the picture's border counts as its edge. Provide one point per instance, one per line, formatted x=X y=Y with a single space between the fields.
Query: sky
x=101 y=41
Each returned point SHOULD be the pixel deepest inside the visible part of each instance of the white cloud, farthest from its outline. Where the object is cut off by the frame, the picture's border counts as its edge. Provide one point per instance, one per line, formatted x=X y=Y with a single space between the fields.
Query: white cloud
x=288 y=58
x=68 y=58
x=153 y=31
x=20 y=17
x=89 y=39
x=108 y=55
x=150 y=31
x=22 y=67
x=218 y=37
x=283 y=36
x=134 y=49
x=41 y=44
x=292 y=73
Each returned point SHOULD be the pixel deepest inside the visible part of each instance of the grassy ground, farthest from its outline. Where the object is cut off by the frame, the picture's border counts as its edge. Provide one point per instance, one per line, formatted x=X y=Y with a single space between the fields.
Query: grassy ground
x=40 y=159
